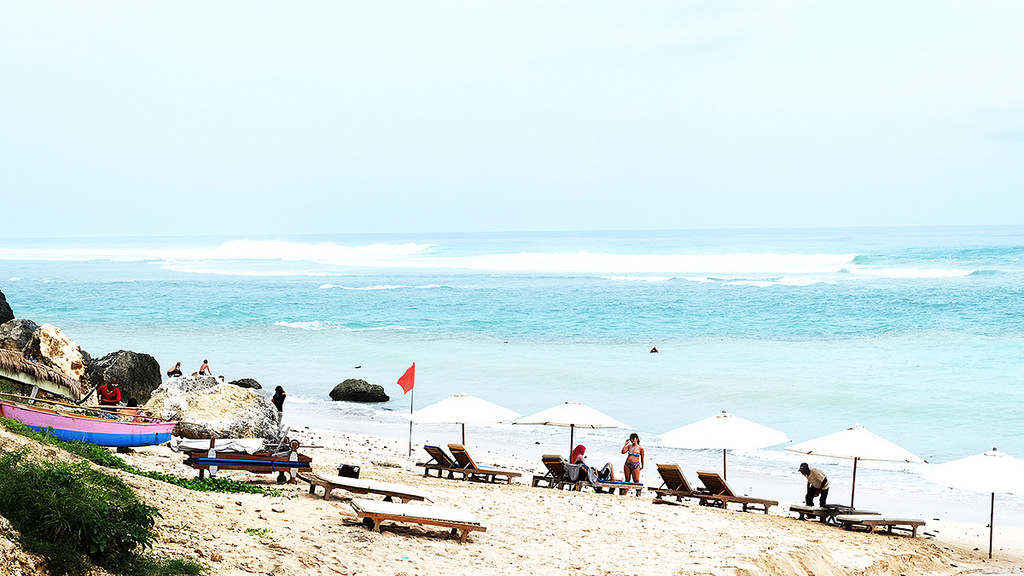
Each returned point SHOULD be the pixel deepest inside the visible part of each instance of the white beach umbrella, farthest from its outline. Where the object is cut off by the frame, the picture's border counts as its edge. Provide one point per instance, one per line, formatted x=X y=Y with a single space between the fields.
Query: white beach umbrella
x=724 y=431
x=571 y=414
x=463 y=409
x=990 y=472
x=855 y=443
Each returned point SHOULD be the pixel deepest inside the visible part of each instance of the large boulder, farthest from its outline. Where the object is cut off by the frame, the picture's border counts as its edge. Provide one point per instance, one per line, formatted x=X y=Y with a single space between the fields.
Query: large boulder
x=15 y=334
x=138 y=374
x=50 y=347
x=205 y=407
x=6 y=314
x=357 y=390
x=246 y=383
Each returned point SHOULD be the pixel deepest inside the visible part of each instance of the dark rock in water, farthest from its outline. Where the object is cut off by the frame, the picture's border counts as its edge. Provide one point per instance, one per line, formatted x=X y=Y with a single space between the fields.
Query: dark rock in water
x=356 y=390
x=138 y=375
x=246 y=383
x=15 y=334
x=6 y=313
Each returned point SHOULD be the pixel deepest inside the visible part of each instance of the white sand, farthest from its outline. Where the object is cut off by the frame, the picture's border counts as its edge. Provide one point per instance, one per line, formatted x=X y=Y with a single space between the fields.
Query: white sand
x=529 y=530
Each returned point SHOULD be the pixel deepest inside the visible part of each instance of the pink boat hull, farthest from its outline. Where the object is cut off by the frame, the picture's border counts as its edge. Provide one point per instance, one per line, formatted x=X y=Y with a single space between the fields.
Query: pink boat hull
x=89 y=428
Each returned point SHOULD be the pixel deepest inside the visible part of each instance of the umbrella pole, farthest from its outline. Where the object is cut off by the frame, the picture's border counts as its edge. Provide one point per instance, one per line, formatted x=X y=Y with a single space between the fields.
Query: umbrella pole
x=572 y=430
x=854 y=487
x=463 y=433
x=991 y=524
x=724 y=473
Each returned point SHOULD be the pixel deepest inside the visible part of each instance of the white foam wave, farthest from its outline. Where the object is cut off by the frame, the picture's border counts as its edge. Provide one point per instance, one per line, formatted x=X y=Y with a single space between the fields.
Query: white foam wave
x=639 y=278
x=384 y=287
x=910 y=272
x=313 y=325
x=13 y=279
x=316 y=325
x=257 y=258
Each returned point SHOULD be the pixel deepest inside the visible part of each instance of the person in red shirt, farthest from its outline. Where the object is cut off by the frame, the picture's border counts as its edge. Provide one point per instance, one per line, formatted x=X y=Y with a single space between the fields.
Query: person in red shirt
x=109 y=394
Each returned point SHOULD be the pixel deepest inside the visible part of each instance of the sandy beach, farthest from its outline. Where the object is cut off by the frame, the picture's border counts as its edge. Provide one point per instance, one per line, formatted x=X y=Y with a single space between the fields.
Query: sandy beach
x=529 y=530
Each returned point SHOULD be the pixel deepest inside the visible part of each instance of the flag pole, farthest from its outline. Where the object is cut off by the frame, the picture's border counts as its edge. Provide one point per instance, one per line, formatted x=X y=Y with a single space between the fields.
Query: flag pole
x=412 y=395
x=407 y=382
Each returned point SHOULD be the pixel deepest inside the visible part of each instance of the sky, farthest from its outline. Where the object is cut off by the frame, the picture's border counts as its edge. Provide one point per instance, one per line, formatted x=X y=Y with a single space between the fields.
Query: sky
x=185 y=118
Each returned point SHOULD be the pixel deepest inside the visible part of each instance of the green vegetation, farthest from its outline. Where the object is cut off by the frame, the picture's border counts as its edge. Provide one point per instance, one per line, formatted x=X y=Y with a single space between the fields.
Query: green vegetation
x=103 y=457
x=261 y=532
x=76 y=517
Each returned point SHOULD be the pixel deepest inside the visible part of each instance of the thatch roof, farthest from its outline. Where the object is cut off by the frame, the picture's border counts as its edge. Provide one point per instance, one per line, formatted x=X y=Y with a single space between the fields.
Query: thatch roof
x=14 y=366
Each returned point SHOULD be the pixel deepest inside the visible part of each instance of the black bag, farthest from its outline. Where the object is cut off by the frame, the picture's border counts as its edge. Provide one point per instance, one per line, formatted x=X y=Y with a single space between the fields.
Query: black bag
x=348 y=471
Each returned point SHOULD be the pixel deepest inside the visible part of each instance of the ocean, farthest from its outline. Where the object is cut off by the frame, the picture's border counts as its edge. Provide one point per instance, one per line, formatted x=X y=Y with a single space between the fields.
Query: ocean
x=915 y=333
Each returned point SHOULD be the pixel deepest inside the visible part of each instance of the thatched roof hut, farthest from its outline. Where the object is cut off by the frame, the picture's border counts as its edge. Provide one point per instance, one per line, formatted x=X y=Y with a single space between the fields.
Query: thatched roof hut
x=14 y=366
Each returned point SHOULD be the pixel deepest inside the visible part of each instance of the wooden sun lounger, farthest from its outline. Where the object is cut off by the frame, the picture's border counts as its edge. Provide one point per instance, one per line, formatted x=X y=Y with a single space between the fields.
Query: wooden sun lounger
x=611 y=486
x=361 y=486
x=872 y=521
x=473 y=472
x=674 y=484
x=827 y=514
x=719 y=494
x=373 y=512
x=555 y=476
x=440 y=462
x=262 y=462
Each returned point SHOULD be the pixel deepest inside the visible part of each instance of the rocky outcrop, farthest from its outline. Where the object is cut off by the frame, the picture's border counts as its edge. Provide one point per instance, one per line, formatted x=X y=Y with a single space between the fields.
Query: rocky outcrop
x=138 y=374
x=246 y=383
x=15 y=334
x=50 y=347
x=357 y=390
x=6 y=314
x=208 y=408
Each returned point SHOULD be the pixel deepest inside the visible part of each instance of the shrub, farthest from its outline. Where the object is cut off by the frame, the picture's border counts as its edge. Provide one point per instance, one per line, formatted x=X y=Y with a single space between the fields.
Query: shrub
x=72 y=514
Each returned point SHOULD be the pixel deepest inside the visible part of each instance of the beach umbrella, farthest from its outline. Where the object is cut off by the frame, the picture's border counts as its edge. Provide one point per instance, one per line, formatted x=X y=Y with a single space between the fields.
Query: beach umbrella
x=855 y=443
x=571 y=414
x=724 y=431
x=463 y=409
x=990 y=472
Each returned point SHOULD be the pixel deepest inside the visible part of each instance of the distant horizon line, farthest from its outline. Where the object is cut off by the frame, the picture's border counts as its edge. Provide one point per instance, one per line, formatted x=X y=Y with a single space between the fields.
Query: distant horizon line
x=264 y=235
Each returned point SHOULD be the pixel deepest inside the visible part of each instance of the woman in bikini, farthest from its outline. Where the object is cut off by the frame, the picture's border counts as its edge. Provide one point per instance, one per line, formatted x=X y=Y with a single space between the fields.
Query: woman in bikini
x=634 y=458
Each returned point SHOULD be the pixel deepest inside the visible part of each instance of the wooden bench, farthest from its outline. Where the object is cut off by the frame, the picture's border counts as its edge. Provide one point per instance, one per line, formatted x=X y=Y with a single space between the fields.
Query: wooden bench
x=718 y=493
x=288 y=462
x=827 y=514
x=472 y=471
x=373 y=512
x=870 y=521
x=389 y=490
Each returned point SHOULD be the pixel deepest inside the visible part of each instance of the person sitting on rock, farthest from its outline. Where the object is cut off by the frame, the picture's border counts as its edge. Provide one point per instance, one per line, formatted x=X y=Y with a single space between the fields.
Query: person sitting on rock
x=176 y=371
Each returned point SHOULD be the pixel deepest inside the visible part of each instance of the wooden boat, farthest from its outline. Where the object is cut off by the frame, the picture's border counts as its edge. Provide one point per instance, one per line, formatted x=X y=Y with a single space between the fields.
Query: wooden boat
x=111 y=431
x=72 y=422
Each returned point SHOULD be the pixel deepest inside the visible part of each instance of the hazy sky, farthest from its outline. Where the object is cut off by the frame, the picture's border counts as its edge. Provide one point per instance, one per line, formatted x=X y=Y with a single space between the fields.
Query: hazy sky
x=146 y=118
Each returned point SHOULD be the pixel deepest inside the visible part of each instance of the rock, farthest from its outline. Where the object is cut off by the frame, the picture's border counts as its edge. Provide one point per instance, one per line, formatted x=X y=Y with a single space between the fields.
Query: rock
x=357 y=390
x=15 y=334
x=50 y=347
x=206 y=407
x=138 y=374
x=246 y=383
x=6 y=314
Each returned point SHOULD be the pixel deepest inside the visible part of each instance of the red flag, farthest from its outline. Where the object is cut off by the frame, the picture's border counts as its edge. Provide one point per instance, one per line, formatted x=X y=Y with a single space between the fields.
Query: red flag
x=406 y=381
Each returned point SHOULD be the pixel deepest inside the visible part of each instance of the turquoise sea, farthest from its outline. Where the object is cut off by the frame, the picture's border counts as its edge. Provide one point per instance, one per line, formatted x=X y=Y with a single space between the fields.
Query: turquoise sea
x=915 y=333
